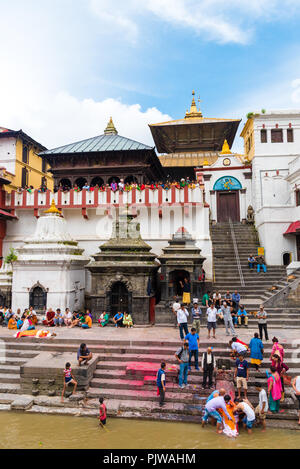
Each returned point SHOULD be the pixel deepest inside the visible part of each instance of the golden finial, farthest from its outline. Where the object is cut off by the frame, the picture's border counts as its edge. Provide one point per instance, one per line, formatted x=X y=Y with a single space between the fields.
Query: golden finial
x=194 y=112
x=225 y=149
x=110 y=129
x=53 y=209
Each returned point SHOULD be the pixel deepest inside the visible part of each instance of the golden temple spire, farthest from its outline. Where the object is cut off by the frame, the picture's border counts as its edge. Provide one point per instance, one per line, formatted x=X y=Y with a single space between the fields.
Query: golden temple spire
x=53 y=209
x=225 y=150
x=194 y=111
x=110 y=129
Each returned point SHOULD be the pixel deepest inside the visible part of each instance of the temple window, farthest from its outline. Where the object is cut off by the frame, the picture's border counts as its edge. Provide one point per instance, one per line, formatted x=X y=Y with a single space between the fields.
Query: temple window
x=276 y=136
x=24 y=181
x=25 y=154
x=297 y=194
x=263 y=136
x=290 y=135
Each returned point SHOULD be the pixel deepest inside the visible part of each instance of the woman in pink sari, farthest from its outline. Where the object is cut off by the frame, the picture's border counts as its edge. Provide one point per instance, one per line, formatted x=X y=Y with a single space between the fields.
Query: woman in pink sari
x=277 y=349
x=274 y=390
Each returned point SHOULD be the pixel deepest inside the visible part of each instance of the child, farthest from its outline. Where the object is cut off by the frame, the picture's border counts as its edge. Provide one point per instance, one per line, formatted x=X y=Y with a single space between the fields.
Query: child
x=102 y=414
x=68 y=379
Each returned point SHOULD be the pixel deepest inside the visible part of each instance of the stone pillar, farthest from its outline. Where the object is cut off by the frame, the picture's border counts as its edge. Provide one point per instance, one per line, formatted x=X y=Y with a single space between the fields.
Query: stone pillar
x=243 y=214
x=213 y=206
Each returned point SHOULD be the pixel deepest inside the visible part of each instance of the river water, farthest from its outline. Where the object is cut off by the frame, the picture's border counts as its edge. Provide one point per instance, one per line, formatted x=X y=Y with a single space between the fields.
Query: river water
x=28 y=431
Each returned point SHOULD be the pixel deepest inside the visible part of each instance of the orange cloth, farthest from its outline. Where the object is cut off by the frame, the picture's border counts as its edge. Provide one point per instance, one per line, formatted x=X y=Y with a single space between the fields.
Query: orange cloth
x=12 y=324
x=88 y=321
x=231 y=423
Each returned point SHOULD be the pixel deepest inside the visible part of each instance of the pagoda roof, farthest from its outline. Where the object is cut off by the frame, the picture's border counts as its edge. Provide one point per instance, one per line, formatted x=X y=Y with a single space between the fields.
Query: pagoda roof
x=102 y=143
x=194 y=133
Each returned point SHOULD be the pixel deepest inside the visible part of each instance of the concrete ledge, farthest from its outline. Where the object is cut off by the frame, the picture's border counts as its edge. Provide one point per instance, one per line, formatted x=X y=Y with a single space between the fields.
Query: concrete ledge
x=22 y=403
x=44 y=373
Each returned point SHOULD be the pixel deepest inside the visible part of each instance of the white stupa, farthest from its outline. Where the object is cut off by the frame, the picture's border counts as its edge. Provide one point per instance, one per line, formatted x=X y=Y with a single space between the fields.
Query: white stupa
x=50 y=269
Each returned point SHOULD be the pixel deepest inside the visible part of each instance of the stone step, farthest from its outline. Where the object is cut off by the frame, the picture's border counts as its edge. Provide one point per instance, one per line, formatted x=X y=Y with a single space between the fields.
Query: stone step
x=11 y=369
x=10 y=388
x=9 y=378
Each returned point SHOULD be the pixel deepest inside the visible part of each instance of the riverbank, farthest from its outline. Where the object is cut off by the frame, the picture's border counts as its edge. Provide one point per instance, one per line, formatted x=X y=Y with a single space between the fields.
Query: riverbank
x=129 y=389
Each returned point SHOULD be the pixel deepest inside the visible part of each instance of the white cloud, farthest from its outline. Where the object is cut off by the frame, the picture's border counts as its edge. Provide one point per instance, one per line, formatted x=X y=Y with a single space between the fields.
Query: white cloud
x=59 y=118
x=222 y=21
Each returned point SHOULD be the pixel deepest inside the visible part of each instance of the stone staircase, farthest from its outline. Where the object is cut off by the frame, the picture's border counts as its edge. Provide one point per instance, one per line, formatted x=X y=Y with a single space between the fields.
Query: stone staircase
x=226 y=271
x=125 y=376
x=254 y=288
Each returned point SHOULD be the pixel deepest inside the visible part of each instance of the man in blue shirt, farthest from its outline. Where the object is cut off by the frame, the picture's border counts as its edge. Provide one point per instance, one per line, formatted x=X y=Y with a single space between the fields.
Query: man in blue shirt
x=236 y=298
x=118 y=319
x=242 y=316
x=193 y=340
x=161 y=383
x=242 y=375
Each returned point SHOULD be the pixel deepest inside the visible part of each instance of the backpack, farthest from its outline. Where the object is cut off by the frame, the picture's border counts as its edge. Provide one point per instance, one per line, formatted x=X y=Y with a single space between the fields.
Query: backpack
x=180 y=353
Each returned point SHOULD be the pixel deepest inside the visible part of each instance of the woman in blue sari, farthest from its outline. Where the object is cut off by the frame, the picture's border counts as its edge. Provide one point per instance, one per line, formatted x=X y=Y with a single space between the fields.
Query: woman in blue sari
x=256 y=351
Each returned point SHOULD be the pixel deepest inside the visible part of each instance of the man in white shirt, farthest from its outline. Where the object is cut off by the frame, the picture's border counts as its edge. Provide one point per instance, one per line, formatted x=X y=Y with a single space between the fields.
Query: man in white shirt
x=263 y=406
x=212 y=313
x=182 y=315
x=67 y=317
x=175 y=308
x=238 y=348
x=246 y=408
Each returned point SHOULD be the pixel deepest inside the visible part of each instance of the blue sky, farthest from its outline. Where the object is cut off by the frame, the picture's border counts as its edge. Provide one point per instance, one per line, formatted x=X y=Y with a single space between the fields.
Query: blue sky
x=68 y=65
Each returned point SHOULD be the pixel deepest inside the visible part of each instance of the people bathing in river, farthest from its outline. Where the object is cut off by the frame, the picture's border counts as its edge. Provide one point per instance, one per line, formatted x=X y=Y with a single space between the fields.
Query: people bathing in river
x=83 y=355
x=244 y=406
x=68 y=379
x=102 y=412
x=211 y=410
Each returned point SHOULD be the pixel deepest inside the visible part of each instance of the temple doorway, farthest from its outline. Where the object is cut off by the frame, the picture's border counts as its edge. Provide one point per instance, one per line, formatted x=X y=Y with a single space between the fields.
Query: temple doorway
x=228 y=206
x=176 y=277
x=119 y=300
x=38 y=298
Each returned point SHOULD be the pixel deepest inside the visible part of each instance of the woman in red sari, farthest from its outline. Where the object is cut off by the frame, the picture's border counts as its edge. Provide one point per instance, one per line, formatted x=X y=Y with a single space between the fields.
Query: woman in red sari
x=49 y=321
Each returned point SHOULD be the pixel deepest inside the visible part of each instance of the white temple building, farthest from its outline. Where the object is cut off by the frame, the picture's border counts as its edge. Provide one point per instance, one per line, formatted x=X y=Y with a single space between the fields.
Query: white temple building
x=50 y=267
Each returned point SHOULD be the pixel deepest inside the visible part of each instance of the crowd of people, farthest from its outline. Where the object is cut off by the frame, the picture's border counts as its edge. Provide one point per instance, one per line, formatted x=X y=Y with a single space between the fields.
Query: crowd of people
x=115 y=185
x=229 y=412
x=28 y=320
x=227 y=310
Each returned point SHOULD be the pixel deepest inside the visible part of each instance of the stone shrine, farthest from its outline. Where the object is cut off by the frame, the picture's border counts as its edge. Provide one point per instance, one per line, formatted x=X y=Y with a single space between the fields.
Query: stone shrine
x=122 y=272
x=181 y=259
